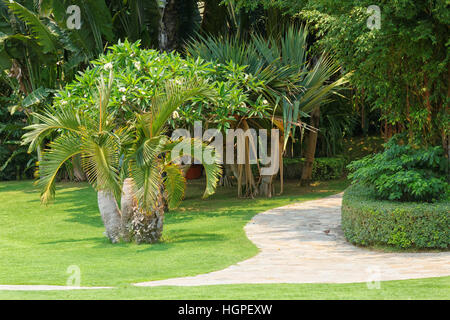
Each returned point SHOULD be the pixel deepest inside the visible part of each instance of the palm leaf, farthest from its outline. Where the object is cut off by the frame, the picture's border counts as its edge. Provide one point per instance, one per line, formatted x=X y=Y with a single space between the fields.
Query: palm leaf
x=52 y=120
x=174 y=184
x=174 y=95
x=43 y=35
x=60 y=150
x=197 y=147
x=100 y=161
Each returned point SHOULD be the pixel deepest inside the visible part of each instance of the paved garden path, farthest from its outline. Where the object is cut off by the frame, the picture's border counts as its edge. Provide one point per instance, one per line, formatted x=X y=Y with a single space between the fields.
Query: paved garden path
x=303 y=243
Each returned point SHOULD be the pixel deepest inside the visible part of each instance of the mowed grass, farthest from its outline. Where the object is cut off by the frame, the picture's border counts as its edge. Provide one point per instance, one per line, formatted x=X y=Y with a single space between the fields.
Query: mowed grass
x=39 y=243
x=432 y=288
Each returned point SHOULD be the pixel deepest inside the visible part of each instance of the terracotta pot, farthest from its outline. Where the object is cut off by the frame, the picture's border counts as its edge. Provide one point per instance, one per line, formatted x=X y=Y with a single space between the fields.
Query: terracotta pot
x=194 y=172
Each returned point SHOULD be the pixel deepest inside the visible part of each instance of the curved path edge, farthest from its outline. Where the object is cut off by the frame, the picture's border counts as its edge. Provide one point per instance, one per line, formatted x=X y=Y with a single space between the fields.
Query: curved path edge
x=304 y=243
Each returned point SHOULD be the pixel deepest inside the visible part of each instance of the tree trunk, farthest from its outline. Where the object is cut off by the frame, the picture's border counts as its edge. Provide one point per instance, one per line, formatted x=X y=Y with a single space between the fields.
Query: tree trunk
x=77 y=169
x=147 y=226
x=128 y=205
x=280 y=159
x=266 y=186
x=214 y=18
x=168 y=33
x=226 y=179
x=311 y=148
x=110 y=213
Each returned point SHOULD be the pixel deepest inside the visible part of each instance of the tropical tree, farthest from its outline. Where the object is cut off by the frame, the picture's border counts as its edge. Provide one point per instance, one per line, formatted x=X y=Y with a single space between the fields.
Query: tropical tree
x=293 y=84
x=138 y=154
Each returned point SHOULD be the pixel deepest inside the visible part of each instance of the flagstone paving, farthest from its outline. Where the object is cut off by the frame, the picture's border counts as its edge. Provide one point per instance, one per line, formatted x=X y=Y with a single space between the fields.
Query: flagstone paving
x=304 y=243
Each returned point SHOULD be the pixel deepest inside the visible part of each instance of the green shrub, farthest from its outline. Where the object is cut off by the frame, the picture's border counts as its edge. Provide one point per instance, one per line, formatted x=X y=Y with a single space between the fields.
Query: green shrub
x=368 y=221
x=403 y=173
x=323 y=168
x=139 y=74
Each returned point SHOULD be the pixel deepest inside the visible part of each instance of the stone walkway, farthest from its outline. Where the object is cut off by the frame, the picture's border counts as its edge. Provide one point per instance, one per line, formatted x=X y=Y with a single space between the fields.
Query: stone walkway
x=303 y=243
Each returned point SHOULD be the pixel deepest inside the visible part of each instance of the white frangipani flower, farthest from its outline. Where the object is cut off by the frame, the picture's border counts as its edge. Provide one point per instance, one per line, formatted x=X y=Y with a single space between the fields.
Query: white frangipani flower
x=108 y=66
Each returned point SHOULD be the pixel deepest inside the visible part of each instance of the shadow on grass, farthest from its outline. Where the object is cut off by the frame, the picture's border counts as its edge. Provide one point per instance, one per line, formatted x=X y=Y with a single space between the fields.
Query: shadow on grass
x=80 y=204
x=96 y=239
x=26 y=186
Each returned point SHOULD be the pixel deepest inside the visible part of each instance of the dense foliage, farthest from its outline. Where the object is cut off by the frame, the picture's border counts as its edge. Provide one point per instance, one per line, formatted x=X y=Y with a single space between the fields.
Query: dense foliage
x=15 y=162
x=369 y=221
x=404 y=172
x=323 y=168
x=401 y=69
x=139 y=74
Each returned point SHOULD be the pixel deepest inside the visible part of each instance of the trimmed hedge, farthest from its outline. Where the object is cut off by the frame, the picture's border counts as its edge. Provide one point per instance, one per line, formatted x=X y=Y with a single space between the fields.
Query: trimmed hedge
x=323 y=168
x=367 y=221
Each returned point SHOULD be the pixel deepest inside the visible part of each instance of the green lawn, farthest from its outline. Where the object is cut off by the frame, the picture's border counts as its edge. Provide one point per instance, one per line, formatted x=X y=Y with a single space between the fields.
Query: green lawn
x=38 y=244
x=432 y=288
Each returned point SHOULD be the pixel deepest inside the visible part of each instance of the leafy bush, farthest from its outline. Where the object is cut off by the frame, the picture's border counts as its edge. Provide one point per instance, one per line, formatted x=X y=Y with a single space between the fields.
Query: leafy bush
x=323 y=168
x=368 y=221
x=15 y=162
x=139 y=74
x=403 y=172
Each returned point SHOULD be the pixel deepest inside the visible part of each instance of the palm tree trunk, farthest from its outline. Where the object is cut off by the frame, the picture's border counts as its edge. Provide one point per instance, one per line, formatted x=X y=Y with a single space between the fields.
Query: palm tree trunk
x=226 y=179
x=110 y=213
x=311 y=148
x=281 y=150
x=128 y=205
x=148 y=226
x=77 y=169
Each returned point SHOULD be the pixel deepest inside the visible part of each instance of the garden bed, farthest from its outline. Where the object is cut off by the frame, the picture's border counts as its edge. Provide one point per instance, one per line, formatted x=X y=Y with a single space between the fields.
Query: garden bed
x=370 y=222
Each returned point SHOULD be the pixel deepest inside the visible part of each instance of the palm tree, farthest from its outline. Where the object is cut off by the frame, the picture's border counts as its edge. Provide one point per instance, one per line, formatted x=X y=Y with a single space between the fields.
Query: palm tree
x=137 y=157
x=150 y=164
